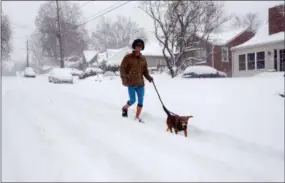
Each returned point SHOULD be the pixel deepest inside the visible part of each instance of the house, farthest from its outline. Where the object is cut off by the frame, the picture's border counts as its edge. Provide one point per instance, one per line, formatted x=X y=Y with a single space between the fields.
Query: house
x=152 y=52
x=266 y=50
x=114 y=57
x=215 y=51
x=154 y=55
x=90 y=57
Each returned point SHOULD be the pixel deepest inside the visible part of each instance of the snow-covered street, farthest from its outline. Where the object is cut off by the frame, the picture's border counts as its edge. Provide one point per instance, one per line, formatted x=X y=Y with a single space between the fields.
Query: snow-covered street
x=75 y=132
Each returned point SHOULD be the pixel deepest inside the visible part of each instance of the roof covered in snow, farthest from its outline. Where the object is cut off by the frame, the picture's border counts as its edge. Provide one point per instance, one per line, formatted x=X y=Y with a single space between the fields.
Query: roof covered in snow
x=223 y=38
x=101 y=57
x=262 y=37
x=153 y=48
x=115 y=57
x=89 y=55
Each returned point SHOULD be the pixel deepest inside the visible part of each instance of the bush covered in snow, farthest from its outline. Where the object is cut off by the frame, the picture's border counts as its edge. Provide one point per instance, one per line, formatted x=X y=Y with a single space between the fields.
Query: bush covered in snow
x=202 y=71
x=109 y=73
x=73 y=71
x=90 y=71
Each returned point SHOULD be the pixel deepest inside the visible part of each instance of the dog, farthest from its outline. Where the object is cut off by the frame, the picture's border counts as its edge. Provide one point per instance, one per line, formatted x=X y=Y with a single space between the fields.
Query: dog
x=178 y=123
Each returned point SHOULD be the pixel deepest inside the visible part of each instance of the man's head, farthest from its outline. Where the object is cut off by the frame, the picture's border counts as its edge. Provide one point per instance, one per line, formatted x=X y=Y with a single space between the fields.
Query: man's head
x=138 y=45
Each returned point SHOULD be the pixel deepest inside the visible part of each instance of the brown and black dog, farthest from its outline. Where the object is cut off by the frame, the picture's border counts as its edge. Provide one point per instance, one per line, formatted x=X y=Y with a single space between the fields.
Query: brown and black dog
x=179 y=123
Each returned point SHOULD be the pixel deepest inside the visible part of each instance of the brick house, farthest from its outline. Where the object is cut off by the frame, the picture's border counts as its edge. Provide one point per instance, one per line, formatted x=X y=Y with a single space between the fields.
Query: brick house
x=215 y=52
x=266 y=50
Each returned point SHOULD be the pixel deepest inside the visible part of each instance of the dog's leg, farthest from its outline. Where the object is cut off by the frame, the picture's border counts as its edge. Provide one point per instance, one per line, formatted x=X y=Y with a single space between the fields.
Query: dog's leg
x=176 y=132
x=185 y=133
x=171 y=130
x=167 y=129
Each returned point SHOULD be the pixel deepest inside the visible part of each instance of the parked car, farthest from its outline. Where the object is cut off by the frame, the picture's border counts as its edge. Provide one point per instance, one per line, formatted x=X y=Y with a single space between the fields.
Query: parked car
x=29 y=72
x=202 y=72
x=60 y=75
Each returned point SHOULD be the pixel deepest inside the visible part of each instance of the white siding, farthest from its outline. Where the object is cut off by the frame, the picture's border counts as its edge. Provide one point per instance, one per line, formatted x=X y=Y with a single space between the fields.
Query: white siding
x=269 y=59
x=153 y=61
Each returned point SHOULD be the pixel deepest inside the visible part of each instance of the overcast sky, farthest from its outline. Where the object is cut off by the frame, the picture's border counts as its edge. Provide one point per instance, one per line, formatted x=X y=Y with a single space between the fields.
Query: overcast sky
x=22 y=15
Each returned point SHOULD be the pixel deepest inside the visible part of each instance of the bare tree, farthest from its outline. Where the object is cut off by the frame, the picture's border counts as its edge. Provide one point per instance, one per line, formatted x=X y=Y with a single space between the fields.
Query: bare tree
x=6 y=33
x=74 y=39
x=180 y=24
x=250 y=20
x=116 y=34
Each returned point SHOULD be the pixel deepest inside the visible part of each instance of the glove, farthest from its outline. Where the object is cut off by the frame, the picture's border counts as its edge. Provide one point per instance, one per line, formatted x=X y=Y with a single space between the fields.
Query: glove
x=150 y=79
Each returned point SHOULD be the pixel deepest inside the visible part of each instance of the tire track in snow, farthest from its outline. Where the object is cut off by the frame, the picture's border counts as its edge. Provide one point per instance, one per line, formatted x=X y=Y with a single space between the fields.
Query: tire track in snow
x=103 y=104
x=262 y=155
x=82 y=141
x=151 y=132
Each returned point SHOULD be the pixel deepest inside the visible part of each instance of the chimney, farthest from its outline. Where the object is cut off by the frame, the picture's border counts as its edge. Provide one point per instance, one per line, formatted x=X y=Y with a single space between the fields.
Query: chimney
x=276 y=19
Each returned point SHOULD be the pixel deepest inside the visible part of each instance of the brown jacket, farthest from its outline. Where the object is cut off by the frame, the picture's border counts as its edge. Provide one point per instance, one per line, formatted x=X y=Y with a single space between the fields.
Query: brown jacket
x=133 y=68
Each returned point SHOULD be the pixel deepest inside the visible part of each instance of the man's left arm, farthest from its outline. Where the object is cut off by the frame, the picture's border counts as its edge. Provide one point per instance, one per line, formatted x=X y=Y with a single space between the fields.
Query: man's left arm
x=146 y=72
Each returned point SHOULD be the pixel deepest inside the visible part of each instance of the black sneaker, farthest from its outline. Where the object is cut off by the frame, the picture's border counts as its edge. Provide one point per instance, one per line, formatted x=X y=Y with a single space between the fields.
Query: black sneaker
x=124 y=112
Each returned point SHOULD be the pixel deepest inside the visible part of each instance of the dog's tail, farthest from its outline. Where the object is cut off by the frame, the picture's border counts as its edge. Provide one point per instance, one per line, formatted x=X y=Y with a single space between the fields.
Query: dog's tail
x=166 y=111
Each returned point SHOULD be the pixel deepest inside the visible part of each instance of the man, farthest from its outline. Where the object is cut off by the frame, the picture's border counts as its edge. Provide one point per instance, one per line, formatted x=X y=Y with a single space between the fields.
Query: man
x=133 y=68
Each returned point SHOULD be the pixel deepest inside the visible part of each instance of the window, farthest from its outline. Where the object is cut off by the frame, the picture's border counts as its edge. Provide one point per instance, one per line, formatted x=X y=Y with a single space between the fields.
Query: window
x=203 y=53
x=250 y=61
x=200 y=53
x=225 y=54
x=241 y=62
x=260 y=60
x=282 y=59
x=275 y=60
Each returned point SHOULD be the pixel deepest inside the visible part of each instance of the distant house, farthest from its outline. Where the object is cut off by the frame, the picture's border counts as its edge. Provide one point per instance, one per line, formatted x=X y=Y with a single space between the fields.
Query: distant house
x=114 y=57
x=266 y=50
x=90 y=57
x=152 y=52
x=73 y=62
x=154 y=55
x=215 y=51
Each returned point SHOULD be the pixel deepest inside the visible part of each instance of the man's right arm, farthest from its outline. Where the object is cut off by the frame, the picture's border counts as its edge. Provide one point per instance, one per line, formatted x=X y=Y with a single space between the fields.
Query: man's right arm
x=123 y=69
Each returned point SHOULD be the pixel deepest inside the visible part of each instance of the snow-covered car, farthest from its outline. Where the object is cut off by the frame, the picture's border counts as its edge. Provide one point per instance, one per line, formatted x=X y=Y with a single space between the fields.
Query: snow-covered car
x=29 y=72
x=202 y=72
x=60 y=75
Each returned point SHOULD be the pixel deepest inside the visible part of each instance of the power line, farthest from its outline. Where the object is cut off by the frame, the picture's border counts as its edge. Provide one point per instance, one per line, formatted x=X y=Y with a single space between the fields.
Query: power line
x=106 y=8
x=98 y=16
x=85 y=4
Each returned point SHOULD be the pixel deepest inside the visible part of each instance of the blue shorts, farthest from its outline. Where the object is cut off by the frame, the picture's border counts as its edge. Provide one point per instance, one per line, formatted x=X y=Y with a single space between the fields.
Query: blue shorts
x=133 y=90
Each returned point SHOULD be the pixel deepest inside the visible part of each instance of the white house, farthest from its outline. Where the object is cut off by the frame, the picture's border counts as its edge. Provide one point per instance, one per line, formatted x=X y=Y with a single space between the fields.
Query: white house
x=114 y=57
x=90 y=57
x=153 y=54
x=265 y=51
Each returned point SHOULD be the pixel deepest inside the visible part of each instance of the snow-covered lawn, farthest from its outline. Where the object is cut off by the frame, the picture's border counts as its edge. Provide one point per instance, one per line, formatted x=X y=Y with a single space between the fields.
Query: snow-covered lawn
x=76 y=132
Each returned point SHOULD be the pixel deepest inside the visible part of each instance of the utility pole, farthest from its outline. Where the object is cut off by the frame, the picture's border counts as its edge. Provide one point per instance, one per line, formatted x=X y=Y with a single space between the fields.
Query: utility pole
x=59 y=37
x=27 y=53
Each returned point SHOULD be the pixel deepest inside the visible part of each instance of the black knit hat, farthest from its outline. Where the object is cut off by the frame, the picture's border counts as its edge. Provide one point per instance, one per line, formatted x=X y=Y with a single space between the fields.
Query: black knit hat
x=136 y=42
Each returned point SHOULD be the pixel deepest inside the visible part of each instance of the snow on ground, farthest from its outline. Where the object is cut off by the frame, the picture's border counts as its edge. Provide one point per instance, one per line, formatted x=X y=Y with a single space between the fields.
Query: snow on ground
x=58 y=132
